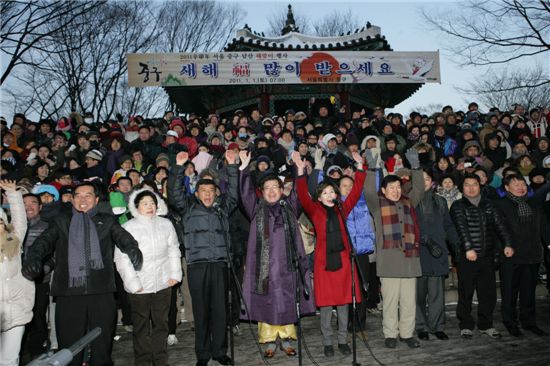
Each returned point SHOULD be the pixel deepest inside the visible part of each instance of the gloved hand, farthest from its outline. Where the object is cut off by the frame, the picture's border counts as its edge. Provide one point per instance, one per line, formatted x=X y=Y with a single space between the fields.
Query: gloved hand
x=412 y=158
x=319 y=159
x=434 y=249
x=136 y=257
x=31 y=269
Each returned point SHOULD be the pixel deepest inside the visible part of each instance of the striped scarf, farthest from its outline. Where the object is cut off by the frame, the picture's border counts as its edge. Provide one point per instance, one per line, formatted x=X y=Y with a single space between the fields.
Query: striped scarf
x=392 y=235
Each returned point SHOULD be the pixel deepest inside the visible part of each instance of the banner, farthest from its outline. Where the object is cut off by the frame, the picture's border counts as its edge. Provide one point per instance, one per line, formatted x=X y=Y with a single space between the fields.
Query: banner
x=282 y=67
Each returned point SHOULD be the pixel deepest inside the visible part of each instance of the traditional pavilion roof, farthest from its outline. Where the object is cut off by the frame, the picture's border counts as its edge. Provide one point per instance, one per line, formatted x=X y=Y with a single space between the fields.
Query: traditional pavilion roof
x=368 y=38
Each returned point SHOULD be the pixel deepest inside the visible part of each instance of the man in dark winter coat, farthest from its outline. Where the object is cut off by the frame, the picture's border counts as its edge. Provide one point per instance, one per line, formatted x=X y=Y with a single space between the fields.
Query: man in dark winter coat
x=84 y=280
x=477 y=222
x=525 y=220
x=37 y=329
x=206 y=238
x=436 y=227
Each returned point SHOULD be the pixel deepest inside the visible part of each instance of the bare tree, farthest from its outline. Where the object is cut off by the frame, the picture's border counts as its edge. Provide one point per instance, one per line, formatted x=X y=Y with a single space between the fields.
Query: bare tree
x=335 y=24
x=278 y=20
x=428 y=109
x=85 y=68
x=488 y=32
x=196 y=26
x=27 y=25
x=503 y=89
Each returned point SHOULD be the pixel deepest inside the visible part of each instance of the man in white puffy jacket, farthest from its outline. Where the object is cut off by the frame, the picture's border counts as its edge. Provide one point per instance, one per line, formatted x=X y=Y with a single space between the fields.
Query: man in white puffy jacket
x=149 y=288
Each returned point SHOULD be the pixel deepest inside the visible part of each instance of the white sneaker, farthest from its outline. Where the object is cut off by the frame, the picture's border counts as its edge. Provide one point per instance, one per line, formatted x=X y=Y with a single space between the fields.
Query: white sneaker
x=172 y=340
x=491 y=332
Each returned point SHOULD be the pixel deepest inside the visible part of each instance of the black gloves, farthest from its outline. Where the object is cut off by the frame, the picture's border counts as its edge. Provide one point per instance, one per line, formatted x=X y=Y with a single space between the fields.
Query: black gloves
x=135 y=257
x=31 y=269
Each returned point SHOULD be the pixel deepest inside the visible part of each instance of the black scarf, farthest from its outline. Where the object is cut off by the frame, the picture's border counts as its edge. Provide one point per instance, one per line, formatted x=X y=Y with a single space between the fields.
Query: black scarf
x=335 y=244
x=263 y=243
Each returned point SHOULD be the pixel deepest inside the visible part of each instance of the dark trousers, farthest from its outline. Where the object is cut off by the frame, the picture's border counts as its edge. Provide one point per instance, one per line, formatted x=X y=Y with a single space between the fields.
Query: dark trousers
x=208 y=287
x=373 y=294
x=122 y=302
x=37 y=329
x=150 y=320
x=430 y=304
x=518 y=279
x=478 y=276
x=361 y=317
x=76 y=315
x=547 y=265
x=236 y=299
x=173 y=311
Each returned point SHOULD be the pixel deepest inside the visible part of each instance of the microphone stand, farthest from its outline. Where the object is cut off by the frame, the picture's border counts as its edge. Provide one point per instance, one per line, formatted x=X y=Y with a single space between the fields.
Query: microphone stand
x=353 y=260
x=299 y=278
x=230 y=277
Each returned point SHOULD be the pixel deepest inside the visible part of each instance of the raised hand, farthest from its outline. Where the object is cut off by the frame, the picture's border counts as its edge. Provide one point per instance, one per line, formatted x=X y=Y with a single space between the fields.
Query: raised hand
x=412 y=157
x=319 y=159
x=297 y=159
x=8 y=185
x=357 y=157
x=182 y=158
x=231 y=157
x=245 y=157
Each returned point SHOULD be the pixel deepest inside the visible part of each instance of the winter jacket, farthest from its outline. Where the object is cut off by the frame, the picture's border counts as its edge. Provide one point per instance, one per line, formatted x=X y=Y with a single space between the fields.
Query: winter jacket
x=393 y=262
x=437 y=227
x=331 y=287
x=55 y=240
x=149 y=148
x=158 y=242
x=35 y=227
x=360 y=227
x=445 y=147
x=478 y=227
x=16 y=292
x=528 y=237
x=205 y=229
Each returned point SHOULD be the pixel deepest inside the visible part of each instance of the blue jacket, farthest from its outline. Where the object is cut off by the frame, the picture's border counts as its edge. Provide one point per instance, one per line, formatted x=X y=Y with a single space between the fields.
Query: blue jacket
x=360 y=227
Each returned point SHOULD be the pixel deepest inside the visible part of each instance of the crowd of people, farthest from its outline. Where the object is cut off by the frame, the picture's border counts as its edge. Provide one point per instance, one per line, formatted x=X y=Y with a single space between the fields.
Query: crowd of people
x=278 y=216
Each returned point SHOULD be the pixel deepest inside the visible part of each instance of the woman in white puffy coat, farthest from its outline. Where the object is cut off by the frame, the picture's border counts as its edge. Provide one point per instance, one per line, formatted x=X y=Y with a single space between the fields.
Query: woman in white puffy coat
x=149 y=289
x=16 y=292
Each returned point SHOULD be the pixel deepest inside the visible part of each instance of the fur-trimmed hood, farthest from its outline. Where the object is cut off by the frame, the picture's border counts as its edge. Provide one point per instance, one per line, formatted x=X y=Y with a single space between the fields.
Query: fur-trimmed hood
x=364 y=142
x=162 y=208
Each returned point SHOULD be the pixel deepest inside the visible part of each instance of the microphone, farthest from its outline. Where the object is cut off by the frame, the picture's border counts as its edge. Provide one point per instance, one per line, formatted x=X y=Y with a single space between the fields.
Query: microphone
x=336 y=201
x=216 y=207
x=282 y=203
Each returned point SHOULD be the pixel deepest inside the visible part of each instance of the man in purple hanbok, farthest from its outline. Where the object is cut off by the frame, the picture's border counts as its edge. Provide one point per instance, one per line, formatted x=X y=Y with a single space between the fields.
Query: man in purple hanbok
x=270 y=280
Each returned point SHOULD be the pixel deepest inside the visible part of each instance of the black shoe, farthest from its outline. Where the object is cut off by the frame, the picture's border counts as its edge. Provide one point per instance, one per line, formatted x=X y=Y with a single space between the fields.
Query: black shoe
x=536 y=330
x=441 y=336
x=411 y=342
x=390 y=342
x=344 y=349
x=425 y=336
x=202 y=362
x=223 y=360
x=514 y=331
x=329 y=351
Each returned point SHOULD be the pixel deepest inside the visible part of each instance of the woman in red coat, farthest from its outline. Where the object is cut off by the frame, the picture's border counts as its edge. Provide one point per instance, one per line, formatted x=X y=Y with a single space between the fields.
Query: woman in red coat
x=332 y=266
